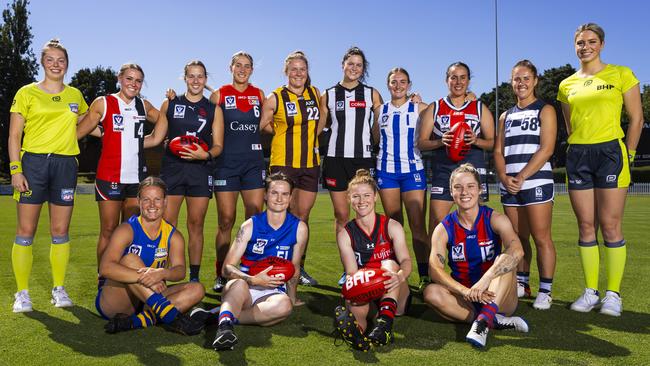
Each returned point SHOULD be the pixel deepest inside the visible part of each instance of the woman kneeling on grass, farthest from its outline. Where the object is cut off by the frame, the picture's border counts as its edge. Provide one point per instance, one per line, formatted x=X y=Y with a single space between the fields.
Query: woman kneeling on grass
x=372 y=241
x=483 y=250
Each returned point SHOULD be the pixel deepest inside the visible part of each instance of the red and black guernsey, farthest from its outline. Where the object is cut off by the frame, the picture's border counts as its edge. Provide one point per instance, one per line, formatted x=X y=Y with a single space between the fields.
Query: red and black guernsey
x=471 y=252
x=241 y=120
x=370 y=250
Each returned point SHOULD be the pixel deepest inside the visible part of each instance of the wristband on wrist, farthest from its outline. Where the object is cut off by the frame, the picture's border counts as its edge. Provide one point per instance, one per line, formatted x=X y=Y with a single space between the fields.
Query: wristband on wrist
x=15 y=167
x=630 y=155
x=209 y=155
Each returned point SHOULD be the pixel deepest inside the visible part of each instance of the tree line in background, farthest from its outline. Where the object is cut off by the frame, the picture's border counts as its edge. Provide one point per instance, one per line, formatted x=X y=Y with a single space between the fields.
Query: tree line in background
x=18 y=67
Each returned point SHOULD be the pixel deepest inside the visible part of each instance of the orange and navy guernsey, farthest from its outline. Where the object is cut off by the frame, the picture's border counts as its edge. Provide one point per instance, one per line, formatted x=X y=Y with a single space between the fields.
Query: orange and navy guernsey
x=154 y=252
x=295 y=122
x=371 y=249
x=471 y=252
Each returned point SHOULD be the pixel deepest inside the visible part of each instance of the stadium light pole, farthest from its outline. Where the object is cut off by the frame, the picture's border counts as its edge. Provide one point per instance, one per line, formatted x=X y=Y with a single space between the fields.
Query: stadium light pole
x=496 y=57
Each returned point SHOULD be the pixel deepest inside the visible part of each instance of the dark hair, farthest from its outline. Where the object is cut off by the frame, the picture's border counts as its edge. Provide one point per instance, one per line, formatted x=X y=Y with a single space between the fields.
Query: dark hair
x=395 y=70
x=279 y=177
x=457 y=64
x=152 y=182
x=130 y=66
x=238 y=54
x=363 y=176
x=195 y=63
x=55 y=43
x=527 y=64
x=297 y=55
x=600 y=32
x=356 y=51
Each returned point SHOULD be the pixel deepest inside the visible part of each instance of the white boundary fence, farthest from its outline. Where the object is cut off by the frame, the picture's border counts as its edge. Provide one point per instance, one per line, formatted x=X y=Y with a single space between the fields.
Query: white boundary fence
x=636 y=189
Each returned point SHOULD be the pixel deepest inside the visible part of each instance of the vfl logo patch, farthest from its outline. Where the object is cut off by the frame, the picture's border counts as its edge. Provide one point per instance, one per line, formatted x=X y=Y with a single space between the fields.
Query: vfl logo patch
x=74 y=107
x=340 y=106
x=258 y=248
x=291 y=108
x=231 y=102
x=135 y=249
x=118 y=123
x=444 y=122
x=67 y=194
x=417 y=178
x=384 y=120
x=458 y=253
x=538 y=193
x=179 y=111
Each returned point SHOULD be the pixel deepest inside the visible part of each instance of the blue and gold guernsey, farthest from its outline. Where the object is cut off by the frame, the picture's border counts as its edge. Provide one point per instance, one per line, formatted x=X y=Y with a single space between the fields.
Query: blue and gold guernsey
x=266 y=241
x=153 y=252
x=471 y=252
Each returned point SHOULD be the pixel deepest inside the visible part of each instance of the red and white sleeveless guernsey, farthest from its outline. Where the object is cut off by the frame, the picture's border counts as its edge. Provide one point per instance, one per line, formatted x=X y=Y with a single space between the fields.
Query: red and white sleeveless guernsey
x=122 y=159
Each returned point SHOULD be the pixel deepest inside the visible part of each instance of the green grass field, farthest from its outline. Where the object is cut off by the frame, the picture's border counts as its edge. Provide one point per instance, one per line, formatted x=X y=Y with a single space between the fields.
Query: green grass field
x=559 y=336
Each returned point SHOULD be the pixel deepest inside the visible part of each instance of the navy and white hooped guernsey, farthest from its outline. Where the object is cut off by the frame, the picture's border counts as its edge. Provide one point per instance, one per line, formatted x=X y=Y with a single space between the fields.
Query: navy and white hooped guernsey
x=522 y=141
x=399 y=130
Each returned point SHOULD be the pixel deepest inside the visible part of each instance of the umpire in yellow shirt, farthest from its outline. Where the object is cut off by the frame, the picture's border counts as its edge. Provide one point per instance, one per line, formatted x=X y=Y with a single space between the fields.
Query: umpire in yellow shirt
x=44 y=168
x=598 y=161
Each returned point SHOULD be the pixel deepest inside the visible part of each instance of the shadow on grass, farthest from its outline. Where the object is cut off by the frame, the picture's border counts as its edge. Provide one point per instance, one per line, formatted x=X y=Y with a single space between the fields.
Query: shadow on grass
x=87 y=337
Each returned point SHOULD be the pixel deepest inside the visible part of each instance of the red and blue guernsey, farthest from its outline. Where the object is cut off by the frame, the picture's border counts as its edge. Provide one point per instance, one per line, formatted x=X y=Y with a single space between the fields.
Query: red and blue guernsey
x=471 y=252
x=266 y=241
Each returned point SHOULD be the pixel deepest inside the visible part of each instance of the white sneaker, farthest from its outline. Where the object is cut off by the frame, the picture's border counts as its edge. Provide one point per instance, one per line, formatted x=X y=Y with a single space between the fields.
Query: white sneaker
x=611 y=304
x=517 y=323
x=23 y=302
x=587 y=301
x=543 y=301
x=522 y=290
x=60 y=297
x=477 y=336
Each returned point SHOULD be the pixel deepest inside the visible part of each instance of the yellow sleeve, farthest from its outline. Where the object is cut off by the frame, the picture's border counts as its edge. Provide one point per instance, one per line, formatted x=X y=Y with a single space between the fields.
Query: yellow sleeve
x=83 y=106
x=561 y=93
x=20 y=104
x=628 y=79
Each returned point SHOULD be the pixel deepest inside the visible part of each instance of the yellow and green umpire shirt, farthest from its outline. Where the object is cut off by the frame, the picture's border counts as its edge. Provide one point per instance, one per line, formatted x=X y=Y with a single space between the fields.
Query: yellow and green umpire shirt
x=295 y=122
x=50 y=119
x=596 y=103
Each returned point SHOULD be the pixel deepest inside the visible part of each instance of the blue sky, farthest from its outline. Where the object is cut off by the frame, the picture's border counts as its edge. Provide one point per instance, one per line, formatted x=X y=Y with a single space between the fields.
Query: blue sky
x=421 y=36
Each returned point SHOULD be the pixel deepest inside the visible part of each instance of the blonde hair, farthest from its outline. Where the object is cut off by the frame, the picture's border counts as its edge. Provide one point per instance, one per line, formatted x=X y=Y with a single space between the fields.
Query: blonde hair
x=297 y=55
x=591 y=27
x=56 y=44
x=152 y=182
x=363 y=176
x=130 y=66
x=464 y=168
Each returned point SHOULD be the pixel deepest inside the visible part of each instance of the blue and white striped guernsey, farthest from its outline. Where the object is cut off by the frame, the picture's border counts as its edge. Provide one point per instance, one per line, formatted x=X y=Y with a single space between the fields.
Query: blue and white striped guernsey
x=522 y=140
x=399 y=130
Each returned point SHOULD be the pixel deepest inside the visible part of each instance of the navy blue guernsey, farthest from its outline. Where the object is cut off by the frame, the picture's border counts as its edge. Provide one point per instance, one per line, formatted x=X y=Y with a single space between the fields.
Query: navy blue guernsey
x=241 y=120
x=189 y=118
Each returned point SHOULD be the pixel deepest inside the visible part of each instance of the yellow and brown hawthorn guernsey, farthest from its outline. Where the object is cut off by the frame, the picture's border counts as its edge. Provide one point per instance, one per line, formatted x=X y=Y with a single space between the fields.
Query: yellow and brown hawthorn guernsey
x=295 y=122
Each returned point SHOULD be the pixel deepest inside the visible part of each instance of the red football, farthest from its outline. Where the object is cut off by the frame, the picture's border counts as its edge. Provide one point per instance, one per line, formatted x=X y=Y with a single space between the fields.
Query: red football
x=178 y=143
x=458 y=149
x=365 y=285
x=282 y=268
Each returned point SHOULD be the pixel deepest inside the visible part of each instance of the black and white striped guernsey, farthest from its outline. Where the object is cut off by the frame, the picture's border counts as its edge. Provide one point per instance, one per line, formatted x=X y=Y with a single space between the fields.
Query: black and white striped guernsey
x=522 y=140
x=350 y=120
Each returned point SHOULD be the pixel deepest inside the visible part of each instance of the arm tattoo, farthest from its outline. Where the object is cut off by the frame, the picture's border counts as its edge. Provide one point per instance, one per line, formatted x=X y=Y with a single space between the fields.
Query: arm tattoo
x=240 y=234
x=441 y=259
